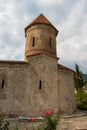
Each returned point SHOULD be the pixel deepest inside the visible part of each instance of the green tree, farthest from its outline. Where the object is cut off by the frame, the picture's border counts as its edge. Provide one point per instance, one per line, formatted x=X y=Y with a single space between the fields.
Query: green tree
x=81 y=96
x=81 y=99
x=79 y=82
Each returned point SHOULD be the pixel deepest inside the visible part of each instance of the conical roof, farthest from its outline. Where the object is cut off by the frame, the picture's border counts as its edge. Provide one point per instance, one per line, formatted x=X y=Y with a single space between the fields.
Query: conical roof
x=41 y=19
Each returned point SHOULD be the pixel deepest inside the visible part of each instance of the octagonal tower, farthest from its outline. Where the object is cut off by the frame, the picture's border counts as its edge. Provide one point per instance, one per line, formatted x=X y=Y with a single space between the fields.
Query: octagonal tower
x=40 y=38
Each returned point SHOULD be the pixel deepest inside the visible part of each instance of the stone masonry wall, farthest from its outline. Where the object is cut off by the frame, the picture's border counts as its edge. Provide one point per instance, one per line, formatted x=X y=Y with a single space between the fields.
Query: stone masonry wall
x=28 y=88
x=46 y=69
x=66 y=91
x=44 y=40
x=17 y=97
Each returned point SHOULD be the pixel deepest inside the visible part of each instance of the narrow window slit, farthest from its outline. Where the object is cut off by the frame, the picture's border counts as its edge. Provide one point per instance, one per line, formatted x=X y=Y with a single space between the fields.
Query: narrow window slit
x=50 y=42
x=2 y=84
x=40 y=85
x=33 y=42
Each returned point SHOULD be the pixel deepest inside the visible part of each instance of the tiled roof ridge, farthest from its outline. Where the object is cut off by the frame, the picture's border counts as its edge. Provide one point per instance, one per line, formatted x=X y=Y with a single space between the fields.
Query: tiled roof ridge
x=41 y=19
x=64 y=67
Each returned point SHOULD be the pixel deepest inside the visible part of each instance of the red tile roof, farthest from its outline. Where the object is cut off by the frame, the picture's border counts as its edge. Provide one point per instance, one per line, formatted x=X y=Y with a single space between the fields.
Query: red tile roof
x=41 y=19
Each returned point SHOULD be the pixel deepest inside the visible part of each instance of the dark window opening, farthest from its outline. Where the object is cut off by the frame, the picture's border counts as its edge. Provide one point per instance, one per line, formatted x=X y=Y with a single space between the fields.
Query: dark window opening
x=33 y=42
x=50 y=44
x=40 y=85
x=2 y=84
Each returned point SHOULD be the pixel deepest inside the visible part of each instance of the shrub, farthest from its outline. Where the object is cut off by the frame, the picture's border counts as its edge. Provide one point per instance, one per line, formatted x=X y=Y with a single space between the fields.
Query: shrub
x=4 y=125
x=81 y=99
x=50 y=120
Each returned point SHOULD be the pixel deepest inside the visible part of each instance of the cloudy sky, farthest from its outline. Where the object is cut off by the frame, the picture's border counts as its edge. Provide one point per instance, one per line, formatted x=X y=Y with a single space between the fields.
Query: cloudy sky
x=68 y=16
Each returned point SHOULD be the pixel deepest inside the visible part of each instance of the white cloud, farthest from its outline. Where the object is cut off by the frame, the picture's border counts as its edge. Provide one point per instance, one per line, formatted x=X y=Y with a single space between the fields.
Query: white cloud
x=75 y=22
x=55 y=2
x=73 y=37
x=68 y=16
x=73 y=51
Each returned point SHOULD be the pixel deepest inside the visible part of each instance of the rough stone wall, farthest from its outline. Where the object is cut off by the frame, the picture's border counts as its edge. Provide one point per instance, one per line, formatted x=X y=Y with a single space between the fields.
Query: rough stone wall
x=46 y=69
x=28 y=88
x=66 y=90
x=17 y=97
x=44 y=40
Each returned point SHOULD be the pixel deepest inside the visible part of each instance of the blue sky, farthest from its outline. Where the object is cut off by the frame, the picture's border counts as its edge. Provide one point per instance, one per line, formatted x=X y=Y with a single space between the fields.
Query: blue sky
x=68 y=16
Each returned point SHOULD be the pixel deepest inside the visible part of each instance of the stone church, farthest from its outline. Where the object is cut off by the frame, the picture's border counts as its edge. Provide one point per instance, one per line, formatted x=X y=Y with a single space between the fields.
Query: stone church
x=39 y=82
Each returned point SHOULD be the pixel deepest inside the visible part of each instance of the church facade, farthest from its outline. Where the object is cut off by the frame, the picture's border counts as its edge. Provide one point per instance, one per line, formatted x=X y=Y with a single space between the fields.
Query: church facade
x=39 y=82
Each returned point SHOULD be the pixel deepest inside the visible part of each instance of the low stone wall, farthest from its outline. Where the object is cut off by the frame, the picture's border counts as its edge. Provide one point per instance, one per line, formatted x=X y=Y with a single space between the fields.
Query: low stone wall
x=72 y=122
x=22 y=125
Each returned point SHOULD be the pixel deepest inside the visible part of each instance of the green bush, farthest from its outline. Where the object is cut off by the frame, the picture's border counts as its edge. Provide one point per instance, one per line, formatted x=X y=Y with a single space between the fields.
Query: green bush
x=50 y=121
x=4 y=125
x=81 y=99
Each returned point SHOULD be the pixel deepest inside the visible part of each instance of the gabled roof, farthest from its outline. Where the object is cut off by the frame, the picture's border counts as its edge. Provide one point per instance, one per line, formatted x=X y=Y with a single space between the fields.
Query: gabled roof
x=65 y=68
x=41 y=19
